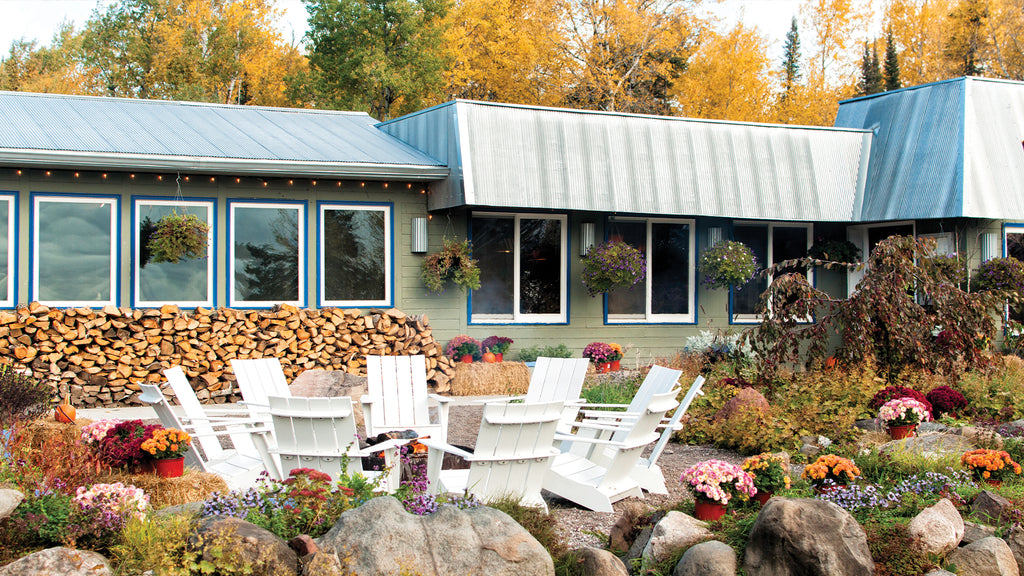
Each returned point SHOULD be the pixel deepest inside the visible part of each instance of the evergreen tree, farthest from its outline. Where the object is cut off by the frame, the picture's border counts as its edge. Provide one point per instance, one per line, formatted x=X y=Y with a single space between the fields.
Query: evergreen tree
x=967 y=42
x=891 y=69
x=791 y=61
x=871 y=81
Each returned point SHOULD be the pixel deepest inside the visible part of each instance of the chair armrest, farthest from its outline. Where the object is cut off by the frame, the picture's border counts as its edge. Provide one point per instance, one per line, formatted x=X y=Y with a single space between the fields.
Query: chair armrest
x=440 y=399
x=603 y=406
x=199 y=421
x=215 y=433
x=385 y=445
x=610 y=427
x=616 y=444
x=445 y=447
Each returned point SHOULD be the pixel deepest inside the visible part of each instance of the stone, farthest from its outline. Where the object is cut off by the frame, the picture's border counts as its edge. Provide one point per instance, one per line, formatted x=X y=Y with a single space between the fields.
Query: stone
x=870 y=424
x=636 y=550
x=186 y=509
x=325 y=564
x=981 y=437
x=940 y=572
x=380 y=537
x=9 y=500
x=808 y=537
x=937 y=529
x=303 y=545
x=331 y=383
x=1015 y=540
x=59 y=562
x=989 y=504
x=986 y=557
x=712 y=558
x=672 y=533
x=623 y=532
x=974 y=532
x=597 y=562
x=930 y=445
x=926 y=427
x=247 y=545
x=745 y=399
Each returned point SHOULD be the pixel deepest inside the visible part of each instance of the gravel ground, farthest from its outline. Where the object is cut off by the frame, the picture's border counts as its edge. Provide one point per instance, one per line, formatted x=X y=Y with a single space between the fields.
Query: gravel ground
x=584 y=527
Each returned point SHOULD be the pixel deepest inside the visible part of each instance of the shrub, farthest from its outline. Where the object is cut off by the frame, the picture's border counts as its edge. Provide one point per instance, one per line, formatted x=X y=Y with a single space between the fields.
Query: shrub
x=996 y=396
x=156 y=540
x=41 y=519
x=22 y=398
x=551 y=351
x=951 y=268
x=891 y=392
x=946 y=400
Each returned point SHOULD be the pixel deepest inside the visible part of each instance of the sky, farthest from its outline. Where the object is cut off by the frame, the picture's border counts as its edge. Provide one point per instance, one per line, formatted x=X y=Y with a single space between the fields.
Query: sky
x=39 y=19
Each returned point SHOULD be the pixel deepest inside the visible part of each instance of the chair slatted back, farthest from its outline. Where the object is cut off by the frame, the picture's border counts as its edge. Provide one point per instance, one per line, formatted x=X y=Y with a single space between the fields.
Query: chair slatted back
x=260 y=378
x=194 y=411
x=150 y=393
x=399 y=386
x=314 y=433
x=557 y=379
x=644 y=428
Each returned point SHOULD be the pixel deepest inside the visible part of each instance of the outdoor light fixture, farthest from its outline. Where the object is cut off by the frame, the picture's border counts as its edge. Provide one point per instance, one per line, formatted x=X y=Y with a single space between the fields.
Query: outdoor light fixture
x=714 y=235
x=990 y=246
x=587 y=236
x=419 y=235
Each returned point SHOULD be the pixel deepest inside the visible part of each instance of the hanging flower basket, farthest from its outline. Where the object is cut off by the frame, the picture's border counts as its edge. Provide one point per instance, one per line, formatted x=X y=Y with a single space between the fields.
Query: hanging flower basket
x=178 y=237
x=727 y=264
x=834 y=251
x=453 y=262
x=612 y=265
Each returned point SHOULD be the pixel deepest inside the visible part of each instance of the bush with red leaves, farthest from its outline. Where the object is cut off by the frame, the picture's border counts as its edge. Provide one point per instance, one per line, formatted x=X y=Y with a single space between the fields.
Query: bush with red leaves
x=890 y=392
x=946 y=400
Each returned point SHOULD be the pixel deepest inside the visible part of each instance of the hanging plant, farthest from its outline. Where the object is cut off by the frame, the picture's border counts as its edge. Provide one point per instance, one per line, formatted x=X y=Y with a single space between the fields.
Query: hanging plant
x=612 y=265
x=453 y=262
x=178 y=237
x=834 y=251
x=727 y=264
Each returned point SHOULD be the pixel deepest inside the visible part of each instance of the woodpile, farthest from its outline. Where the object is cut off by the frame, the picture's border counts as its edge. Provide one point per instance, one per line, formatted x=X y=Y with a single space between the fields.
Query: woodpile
x=97 y=358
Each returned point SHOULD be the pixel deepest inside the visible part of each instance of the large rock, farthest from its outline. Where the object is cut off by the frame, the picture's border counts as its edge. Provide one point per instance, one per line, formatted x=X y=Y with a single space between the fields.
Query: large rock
x=380 y=537
x=712 y=558
x=246 y=544
x=989 y=504
x=597 y=562
x=986 y=557
x=932 y=445
x=673 y=533
x=806 y=537
x=59 y=562
x=1015 y=540
x=331 y=383
x=745 y=399
x=974 y=532
x=9 y=500
x=937 y=529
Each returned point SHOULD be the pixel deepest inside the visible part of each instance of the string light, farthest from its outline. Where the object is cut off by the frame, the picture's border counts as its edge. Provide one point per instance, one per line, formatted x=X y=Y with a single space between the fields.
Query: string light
x=430 y=216
x=385 y=184
x=47 y=172
x=339 y=183
x=160 y=177
x=104 y=175
x=290 y=182
x=212 y=179
x=19 y=172
x=409 y=185
x=238 y=180
x=186 y=178
x=314 y=182
x=132 y=176
x=264 y=183
x=362 y=184
x=76 y=174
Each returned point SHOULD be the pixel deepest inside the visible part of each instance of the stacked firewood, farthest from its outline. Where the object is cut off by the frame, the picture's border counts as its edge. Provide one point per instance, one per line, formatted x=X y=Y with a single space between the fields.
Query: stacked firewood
x=98 y=357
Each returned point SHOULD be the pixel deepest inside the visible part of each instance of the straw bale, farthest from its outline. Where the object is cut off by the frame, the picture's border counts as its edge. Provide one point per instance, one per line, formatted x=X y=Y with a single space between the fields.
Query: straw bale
x=194 y=486
x=486 y=379
x=44 y=432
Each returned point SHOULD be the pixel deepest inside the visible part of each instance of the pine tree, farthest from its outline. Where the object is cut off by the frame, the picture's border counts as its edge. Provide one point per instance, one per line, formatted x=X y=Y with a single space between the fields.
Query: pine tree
x=791 y=62
x=870 y=73
x=891 y=70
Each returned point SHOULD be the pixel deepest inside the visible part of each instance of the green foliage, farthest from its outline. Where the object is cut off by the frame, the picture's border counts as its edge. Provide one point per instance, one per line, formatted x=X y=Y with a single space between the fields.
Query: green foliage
x=727 y=264
x=612 y=265
x=550 y=351
x=894 y=552
x=221 y=557
x=156 y=540
x=952 y=269
x=177 y=237
x=617 y=389
x=41 y=519
x=453 y=262
x=22 y=397
x=994 y=396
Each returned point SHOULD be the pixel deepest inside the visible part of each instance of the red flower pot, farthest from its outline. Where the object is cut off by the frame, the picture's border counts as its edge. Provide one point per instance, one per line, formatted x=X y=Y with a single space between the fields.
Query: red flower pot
x=616 y=365
x=498 y=357
x=604 y=367
x=993 y=482
x=901 y=432
x=763 y=496
x=170 y=467
x=708 y=510
x=467 y=358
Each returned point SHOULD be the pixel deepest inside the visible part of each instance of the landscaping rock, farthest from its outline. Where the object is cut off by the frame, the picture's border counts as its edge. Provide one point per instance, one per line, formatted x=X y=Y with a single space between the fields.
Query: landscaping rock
x=674 y=532
x=986 y=557
x=712 y=558
x=807 y=537
x=380 y=537
x=937 y=529
x=1015 y=540
x=59 y=562
x=325 y=564
x=940 y=572
x=246 y=545
x=989 y=504
x=623 y=532
x=9 y=500
x=930 y=445
x=186 y=509
x=636 y=550
x=331 y=384
x=812 y=445
x=870 y=424
x=926 y=427
x=745 y=399
x=974 y=532
x=980 y=437
x=303 y=545
x=597 y=562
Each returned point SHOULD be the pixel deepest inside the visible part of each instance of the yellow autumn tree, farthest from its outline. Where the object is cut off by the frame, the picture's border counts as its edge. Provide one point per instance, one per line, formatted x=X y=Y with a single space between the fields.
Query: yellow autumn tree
x=921 y=29
x=29 y=67
x=835 y=29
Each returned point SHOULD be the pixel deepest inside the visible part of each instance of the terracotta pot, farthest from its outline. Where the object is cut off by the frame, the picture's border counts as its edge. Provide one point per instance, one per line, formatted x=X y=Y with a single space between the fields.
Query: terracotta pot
x=762 y=496
x=467 y=358
x=901 y=432
x=708 y=510
x=993 y=482
x=170 y=467
x=616 y=365
x=604 y=367
x=498 y=357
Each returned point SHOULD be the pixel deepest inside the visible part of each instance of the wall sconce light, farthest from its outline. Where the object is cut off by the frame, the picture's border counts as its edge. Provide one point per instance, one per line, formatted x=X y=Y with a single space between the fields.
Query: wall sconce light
x=991 y=247
x=587 y=236
x=714 y=235
x=419 y=235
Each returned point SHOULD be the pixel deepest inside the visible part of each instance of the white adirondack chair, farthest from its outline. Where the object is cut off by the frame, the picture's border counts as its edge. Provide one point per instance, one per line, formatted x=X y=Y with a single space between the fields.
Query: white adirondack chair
x=559 y=380
x=258 y=379
x=196 y=412
x=239 y=470
x=647 y=473
x=513 y=452
x=596 y=486
x=320 y=433
x=397 y=398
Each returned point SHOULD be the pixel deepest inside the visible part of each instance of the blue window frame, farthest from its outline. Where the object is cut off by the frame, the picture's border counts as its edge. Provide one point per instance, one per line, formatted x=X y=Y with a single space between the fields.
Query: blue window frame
x=267 y=253
x=355 y=254
x=188 y=282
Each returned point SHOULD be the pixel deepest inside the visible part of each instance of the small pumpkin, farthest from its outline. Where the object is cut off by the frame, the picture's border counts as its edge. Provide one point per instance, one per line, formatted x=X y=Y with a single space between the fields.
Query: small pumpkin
x=490 y=357
x=64 y=413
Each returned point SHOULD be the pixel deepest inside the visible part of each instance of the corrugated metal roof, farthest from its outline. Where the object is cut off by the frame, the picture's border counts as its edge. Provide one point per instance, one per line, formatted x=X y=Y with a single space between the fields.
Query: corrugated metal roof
x=520 y=156
x=60 y=130
x=945 y=149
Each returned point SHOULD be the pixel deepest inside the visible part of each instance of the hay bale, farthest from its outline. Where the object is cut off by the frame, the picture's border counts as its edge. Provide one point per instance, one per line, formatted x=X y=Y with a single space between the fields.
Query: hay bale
x=44 y=432
x=484 y=379
x=194 y=486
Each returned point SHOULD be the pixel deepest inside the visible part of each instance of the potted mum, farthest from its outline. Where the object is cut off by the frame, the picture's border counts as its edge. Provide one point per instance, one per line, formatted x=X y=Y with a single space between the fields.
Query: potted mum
x=612 y=265
x=121 y=446
x=992 y=466
x=463 y=348
x=902 y=415
x=770 y=475
x=168 y=447
x=830 y=471
x=714 y=483
x=599 y=353
x=727 y=264
x=616 y=357
x=497 y=345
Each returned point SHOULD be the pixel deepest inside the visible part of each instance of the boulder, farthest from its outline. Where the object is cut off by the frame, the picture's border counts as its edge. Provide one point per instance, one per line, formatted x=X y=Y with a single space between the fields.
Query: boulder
x=981 y=437
x=974 y=532
x=989 y=504
x=325 y=564
x=244 y=544
x=808 y=537
x=331 y=383
x=745 y=399
x=986 y=557
x=940 y=572
x=59 y=562
x=623 y=533
x=926 y=427
x=597 y=562
x=9 y=500
x=636 y=550
x=380 y=537
x=929 y=445
x=1015 y=540
x=672 y=533
x=711 y=558
x=937 y=529
x=870 y=425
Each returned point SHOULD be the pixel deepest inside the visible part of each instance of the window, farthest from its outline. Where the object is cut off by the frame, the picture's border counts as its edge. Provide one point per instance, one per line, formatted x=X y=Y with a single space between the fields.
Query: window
x=267 y=253
x=8 y=206
x=188 y=282
x=770 y=243
x=866 y=238
x=667 y=293
x=1013 y=236
x=522 y=268
x=355 y=255
x=74 y=250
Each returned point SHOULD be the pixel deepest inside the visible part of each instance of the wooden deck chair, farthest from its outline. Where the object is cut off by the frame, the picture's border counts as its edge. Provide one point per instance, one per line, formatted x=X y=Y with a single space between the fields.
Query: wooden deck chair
x=397 y=398
x=238 y=469
x=196 y=413
x=320 y=433
x=258 y=379
x=559 y=380
x=647 y=473
x=514 y=450
x=596 y=486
